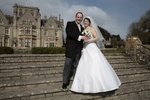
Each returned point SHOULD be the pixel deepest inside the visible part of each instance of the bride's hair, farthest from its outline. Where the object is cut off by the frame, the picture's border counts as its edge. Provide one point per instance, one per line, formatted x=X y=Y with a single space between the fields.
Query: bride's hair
x=88 y=20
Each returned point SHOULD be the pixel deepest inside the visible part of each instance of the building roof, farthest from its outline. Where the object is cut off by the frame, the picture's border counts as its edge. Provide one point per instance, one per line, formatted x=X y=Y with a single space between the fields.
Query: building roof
x=59 y=23
x=9 y=18
x=43 y=21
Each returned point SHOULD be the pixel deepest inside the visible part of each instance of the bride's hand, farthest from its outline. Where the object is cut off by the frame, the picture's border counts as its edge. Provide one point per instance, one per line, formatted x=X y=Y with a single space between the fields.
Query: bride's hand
x=86 y=40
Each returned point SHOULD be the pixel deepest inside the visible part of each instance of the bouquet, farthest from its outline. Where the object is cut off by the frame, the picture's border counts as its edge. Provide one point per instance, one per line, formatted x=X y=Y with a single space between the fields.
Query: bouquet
x=86 y=33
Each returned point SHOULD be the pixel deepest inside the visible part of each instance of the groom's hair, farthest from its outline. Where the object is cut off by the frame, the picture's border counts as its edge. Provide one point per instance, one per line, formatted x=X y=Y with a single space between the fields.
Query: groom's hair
x=79 y=13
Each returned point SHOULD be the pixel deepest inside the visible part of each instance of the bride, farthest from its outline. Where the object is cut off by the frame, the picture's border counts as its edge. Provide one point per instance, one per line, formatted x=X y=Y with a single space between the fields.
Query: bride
x=94 y=74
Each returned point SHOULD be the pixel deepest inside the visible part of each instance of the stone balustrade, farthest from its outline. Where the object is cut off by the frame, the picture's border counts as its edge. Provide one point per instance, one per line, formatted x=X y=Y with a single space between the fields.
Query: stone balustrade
x=138 y=51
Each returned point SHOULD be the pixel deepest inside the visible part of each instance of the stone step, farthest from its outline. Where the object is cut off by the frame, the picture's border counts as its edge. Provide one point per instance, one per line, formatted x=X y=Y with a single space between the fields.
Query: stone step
x=6 y=85
x=49 y=61
x=16 y=78
x=4 y=58
x=13 y=56
x=39 y=77
x=55 y=91
x=34 y=57
x=38 y=67
x=55 y=73
x=141 y=95
x=51 y=73
x=31 y=61
x=60 y=67
x=22 y=59
x=114 y=54
x=31 y=67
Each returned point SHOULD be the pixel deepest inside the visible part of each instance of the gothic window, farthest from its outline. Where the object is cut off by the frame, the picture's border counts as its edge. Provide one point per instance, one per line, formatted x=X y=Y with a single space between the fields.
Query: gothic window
x=27 y=31
x=20 y=12
x=1 y=41
x=23 y=22
x=27 y=42
x=20 y=30
x=1 y=21
x=6 y=31
x=51 y=44
x=21 y=42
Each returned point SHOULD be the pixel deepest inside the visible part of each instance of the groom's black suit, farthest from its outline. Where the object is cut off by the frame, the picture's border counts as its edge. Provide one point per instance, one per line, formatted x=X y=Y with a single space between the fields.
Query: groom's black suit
x=73 y=50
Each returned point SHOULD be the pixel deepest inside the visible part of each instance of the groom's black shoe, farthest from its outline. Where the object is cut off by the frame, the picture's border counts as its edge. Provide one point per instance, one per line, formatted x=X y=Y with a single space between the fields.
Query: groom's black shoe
x=64 y=86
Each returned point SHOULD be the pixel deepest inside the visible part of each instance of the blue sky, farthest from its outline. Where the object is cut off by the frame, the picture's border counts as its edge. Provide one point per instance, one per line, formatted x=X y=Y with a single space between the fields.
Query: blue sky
x=113 y=15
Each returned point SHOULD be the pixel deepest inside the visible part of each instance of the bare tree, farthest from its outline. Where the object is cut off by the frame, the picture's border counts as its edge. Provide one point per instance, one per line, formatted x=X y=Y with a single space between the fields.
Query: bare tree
x=141 y=28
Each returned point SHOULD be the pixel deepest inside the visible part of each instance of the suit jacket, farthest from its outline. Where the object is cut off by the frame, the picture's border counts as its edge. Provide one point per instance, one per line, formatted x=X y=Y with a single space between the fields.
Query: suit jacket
x=73 y=46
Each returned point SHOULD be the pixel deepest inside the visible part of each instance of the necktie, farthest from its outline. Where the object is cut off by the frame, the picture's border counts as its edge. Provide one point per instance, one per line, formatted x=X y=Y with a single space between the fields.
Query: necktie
x=79 y=27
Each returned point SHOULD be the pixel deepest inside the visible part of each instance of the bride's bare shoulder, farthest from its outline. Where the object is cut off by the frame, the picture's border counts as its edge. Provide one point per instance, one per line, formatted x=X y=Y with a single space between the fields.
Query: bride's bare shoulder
x=91 y=28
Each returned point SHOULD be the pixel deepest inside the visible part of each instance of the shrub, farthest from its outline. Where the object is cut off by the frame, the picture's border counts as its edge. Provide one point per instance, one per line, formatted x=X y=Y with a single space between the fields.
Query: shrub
x=48 y=50
x=108 y=46
x=6 y=50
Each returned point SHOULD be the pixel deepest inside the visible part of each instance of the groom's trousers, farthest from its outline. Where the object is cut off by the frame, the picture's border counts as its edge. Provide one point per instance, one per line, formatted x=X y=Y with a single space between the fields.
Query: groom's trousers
x=70 y=68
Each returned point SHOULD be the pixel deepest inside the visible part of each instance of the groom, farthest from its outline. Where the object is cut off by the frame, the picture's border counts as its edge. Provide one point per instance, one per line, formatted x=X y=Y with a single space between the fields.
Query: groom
x=74 y=45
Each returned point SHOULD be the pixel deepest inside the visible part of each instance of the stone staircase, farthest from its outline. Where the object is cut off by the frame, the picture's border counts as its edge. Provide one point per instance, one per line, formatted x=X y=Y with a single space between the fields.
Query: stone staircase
x=39 y=77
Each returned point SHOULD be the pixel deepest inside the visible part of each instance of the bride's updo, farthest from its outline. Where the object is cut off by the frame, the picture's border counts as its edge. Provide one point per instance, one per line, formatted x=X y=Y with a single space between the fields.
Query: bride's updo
x=88 y=20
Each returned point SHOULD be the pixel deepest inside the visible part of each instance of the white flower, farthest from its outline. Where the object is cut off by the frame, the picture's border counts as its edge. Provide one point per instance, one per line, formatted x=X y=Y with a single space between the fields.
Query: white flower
x=86 y=33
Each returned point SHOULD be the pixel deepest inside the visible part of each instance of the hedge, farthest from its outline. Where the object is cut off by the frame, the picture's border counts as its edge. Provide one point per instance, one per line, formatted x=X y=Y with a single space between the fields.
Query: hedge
x=48 y=50
x=6 y=50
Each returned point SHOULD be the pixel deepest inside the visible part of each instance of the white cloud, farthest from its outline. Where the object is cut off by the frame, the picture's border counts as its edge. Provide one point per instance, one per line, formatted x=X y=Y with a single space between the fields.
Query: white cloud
x=56 y=7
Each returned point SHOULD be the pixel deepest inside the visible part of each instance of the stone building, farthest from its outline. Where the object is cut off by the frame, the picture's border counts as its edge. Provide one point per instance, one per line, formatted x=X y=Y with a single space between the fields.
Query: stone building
x=26 y=29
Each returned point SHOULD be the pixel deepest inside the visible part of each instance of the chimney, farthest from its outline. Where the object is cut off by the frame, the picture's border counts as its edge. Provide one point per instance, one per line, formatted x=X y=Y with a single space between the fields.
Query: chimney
x=45 y=17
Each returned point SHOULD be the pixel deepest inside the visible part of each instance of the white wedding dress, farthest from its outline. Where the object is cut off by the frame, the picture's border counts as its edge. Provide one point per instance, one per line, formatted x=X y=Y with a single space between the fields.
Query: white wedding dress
x=94 y=74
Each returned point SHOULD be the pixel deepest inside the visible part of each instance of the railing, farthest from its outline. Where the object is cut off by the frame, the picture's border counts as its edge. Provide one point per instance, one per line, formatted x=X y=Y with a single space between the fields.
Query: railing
x=143 y=55
x=138 y=52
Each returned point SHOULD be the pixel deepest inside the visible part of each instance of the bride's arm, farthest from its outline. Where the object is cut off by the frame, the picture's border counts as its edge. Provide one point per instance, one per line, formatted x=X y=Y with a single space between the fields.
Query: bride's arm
x=95 y=36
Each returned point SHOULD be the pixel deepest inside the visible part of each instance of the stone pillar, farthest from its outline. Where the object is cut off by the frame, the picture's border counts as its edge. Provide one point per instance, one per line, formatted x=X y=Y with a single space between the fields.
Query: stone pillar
x=3 y=41
x=132 y=45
